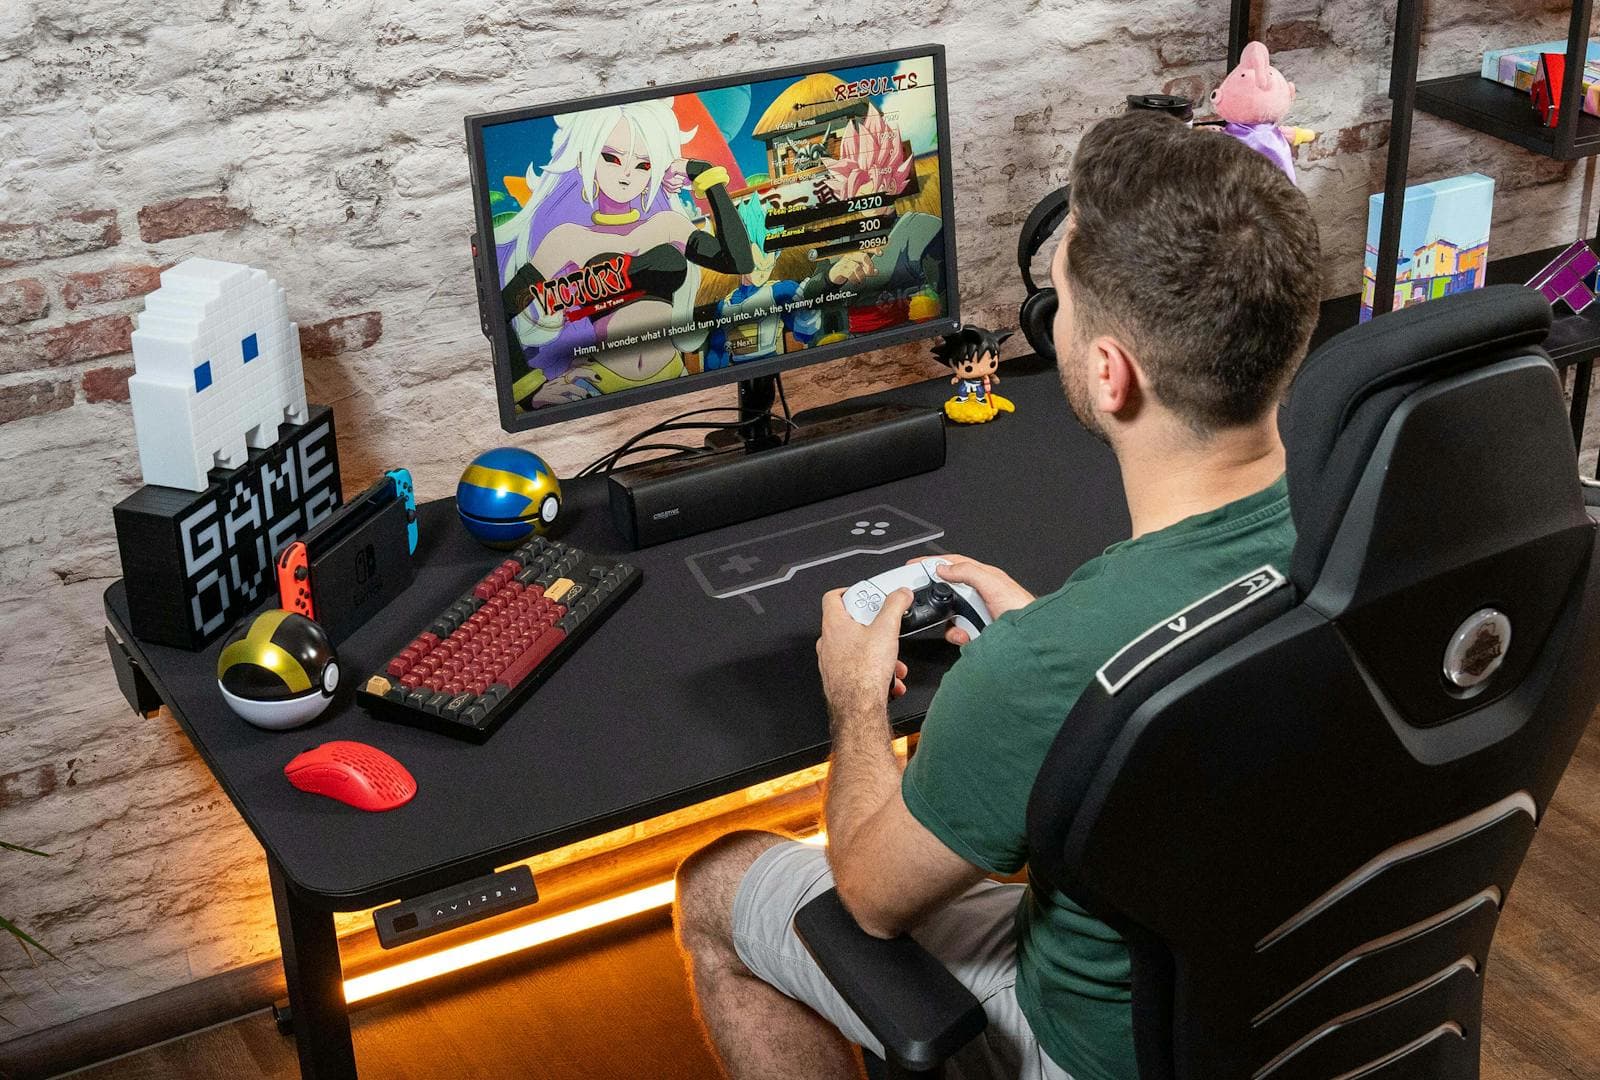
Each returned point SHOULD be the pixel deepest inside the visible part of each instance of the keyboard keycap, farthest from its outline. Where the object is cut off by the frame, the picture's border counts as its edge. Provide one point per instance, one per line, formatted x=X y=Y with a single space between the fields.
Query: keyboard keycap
x=523 y=665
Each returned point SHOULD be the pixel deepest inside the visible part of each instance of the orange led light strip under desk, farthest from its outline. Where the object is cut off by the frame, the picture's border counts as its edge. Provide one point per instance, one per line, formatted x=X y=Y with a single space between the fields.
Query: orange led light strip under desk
x=542 y=931
x=516 y=939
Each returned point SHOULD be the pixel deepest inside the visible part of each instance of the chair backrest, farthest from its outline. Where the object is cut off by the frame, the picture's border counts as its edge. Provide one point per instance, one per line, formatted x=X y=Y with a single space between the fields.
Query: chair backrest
x=1306 y=814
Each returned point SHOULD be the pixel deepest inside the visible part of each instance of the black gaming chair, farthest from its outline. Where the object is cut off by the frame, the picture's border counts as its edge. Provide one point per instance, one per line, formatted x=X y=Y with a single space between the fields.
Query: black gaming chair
x=1304 y=801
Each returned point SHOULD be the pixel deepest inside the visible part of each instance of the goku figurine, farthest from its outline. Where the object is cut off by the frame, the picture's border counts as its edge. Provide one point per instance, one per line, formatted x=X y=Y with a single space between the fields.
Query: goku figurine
x=973 y=354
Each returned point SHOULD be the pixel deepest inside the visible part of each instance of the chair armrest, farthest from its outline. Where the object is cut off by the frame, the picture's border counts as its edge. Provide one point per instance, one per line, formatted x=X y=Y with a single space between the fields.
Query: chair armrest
x=916 y=1008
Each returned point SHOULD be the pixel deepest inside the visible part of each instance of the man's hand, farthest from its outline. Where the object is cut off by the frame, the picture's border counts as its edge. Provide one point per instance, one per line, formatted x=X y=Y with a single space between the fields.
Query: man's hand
x=999 y=592
x=891 y=871
x=860 y=665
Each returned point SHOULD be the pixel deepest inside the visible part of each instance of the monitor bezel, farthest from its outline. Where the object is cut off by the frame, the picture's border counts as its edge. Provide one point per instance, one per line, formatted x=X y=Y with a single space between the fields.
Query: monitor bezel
x=492 y=311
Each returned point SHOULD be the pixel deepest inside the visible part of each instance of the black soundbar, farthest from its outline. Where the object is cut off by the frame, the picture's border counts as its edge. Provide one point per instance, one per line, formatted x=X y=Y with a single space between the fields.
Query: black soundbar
x=681 y=496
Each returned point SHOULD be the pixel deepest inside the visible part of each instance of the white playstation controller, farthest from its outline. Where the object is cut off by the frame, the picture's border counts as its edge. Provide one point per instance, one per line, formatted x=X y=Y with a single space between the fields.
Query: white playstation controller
x=935 y=601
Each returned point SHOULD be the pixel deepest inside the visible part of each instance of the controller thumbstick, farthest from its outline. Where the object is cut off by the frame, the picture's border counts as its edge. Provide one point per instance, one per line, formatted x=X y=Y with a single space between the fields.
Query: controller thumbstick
x=942 y=593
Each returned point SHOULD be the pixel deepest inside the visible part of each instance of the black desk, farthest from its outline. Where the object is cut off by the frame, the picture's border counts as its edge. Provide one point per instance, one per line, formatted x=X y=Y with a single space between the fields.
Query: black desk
x=679 y=697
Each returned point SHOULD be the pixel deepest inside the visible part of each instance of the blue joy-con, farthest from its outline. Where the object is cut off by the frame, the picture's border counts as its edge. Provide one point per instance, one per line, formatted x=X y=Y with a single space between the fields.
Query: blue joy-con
x=408 y=493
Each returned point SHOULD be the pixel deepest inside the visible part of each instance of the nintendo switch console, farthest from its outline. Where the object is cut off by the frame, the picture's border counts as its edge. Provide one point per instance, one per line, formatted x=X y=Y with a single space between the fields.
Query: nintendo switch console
x=347 y=568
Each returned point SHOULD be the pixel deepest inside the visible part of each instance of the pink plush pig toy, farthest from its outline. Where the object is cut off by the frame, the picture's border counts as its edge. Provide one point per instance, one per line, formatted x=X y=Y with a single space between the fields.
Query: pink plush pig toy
x=1254 y=99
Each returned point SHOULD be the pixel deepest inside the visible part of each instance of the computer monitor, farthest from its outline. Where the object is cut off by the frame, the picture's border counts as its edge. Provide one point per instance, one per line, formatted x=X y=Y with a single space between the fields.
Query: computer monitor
x=642 y=244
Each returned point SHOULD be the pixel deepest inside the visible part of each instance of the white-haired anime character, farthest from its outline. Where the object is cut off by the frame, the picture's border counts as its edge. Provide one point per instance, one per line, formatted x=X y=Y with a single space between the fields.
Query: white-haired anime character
x=607 y=193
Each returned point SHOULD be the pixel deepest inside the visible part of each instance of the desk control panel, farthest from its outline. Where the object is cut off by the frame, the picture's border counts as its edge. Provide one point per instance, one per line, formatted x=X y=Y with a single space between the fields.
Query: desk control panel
x=469 y=669
x=423 y=916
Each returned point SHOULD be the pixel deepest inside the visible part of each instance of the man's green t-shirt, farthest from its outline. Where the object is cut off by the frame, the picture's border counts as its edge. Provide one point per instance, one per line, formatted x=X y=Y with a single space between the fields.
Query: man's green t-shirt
x=997 y=713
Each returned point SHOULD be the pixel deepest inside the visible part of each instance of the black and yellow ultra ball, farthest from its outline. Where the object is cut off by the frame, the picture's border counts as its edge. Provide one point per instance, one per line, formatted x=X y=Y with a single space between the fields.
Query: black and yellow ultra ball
x=278 y=670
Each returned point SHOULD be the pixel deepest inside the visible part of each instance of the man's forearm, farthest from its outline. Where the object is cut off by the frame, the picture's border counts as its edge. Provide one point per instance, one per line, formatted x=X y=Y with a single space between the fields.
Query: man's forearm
x=864 y=772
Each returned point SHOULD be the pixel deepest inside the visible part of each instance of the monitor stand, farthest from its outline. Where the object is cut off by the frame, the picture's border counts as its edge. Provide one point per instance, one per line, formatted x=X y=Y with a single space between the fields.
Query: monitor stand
x=760 y=431
x=766 y=466
x=763 y=430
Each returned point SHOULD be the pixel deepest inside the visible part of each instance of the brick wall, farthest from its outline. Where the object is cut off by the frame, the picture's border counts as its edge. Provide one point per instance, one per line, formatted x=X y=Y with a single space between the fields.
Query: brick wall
x=323 y=142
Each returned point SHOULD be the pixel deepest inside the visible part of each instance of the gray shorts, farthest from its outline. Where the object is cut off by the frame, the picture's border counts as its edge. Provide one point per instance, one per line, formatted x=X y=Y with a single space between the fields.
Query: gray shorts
x=973 y=936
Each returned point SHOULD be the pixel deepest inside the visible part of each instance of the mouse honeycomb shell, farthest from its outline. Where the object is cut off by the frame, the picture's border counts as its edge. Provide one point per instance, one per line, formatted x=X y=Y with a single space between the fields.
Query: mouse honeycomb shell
x=386 y=775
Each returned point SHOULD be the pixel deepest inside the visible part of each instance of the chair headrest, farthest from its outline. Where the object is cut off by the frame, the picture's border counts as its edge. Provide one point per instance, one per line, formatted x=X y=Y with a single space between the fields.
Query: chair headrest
x=1345 y=392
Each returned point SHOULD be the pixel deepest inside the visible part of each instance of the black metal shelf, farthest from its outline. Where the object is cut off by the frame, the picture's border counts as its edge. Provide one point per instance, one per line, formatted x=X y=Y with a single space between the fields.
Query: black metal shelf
x=1496 y=109
x=1574 y=339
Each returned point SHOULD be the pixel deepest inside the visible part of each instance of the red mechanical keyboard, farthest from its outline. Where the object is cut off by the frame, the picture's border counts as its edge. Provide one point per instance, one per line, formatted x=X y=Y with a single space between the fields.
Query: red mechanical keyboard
x=473 y=665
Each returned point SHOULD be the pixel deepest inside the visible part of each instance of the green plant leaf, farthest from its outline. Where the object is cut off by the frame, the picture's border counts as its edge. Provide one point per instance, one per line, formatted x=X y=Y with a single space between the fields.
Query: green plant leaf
x=21 y=935
x=24 y=850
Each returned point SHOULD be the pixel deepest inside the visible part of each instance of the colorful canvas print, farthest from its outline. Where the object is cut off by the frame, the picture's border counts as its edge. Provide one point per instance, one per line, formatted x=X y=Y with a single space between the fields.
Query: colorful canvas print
x=1517 y=67
x=1444 y=241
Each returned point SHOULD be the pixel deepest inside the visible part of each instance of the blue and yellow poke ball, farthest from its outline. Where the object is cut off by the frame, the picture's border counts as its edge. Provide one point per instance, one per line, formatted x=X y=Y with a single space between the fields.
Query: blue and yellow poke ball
x=506 y=495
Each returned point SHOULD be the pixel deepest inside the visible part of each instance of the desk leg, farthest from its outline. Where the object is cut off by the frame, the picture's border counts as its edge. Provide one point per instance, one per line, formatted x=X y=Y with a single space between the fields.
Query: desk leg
x=316 y=985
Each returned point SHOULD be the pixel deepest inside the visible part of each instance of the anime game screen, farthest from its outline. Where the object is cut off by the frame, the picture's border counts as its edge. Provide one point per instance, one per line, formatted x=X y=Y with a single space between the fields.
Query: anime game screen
x=731 y=229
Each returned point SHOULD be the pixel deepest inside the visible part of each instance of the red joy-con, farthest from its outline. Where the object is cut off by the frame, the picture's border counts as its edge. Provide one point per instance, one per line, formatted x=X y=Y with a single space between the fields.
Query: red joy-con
x=294 y=580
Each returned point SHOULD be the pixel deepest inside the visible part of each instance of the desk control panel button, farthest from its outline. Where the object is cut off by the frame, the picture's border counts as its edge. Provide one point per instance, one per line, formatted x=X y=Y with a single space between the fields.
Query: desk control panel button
x=433 y=913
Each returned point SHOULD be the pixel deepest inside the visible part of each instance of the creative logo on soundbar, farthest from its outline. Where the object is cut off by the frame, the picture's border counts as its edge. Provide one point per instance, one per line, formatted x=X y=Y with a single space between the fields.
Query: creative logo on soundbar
x=591 y=289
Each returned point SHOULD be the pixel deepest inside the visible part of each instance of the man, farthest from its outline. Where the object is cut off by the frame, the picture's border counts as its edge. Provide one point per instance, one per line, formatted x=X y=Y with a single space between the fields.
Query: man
x=1188 y=291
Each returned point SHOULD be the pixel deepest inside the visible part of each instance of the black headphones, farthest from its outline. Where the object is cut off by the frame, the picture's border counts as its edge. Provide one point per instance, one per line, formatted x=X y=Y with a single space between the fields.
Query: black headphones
x=1038 y=312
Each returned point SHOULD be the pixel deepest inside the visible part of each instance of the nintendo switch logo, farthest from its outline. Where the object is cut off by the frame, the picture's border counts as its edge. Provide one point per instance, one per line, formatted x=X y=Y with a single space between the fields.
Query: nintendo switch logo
x=366 y=564
x=368 y=582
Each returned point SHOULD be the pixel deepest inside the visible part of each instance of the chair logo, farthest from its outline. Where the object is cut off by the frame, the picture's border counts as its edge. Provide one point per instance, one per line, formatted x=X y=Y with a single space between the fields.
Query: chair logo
x=1477 y=648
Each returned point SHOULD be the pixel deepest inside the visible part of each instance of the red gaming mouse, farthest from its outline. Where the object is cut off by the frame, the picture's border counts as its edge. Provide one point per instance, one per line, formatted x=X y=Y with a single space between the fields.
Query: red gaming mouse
x=354 y=773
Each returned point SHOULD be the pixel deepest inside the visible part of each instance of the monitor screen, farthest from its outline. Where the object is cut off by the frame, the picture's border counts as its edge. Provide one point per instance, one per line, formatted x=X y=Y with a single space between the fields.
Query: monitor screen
x=649 y=243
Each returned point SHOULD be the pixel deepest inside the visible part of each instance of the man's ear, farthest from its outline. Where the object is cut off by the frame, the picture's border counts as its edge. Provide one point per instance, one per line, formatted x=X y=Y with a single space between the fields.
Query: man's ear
x=1115 y=378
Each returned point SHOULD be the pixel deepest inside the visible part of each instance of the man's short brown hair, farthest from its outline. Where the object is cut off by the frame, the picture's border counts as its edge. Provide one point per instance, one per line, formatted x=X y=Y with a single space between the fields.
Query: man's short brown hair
x=1199 y=255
